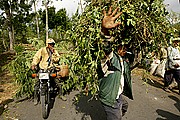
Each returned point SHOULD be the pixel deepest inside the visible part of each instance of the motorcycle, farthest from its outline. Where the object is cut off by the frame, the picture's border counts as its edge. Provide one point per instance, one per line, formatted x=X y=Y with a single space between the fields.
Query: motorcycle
x=47 y=86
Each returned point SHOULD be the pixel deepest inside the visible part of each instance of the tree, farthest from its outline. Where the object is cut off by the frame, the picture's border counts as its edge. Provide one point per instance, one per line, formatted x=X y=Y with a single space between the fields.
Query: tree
x=62 y=22
x=174 y=19
x=36 y=15
x=58 y=21
x=6 y=6
x=61 y=19
x=14 y=10
x=3 y=35
x=46 y=9
x=177 y=29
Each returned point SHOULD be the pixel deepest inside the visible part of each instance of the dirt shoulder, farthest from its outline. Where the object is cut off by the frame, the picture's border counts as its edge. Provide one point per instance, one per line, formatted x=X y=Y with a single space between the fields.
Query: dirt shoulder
x=7 y=85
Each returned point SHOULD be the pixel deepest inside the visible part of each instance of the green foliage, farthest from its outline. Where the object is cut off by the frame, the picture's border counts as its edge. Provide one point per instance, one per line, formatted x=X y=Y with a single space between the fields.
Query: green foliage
x=19 y=48
x=55 y=19
x=61 y=19
x=3 y=43
x=177 y=29
x=37 y=43
x=143 y=26
x=20 y=67
x=85 y=37
x=66 y=57
x=17 y=15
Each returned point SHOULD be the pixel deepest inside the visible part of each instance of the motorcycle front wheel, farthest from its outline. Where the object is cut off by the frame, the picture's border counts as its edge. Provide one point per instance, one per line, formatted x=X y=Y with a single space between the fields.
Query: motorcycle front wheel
x=45 y=106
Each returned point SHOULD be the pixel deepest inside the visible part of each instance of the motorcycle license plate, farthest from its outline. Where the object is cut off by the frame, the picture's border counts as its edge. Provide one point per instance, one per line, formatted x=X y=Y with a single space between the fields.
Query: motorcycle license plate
x=43 y=76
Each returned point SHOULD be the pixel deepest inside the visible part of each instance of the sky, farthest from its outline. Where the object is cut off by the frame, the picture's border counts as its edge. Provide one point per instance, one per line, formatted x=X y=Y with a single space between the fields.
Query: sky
x=173 y=5
x=72 y=5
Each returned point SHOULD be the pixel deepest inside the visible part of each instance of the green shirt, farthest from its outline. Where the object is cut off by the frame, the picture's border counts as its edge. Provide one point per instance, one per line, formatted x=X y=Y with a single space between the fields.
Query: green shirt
x=110 y=80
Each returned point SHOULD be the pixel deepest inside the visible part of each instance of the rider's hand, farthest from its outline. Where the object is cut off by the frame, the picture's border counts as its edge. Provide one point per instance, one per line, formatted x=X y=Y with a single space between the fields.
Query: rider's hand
x=108 y=21
x=33 y=67
x=176 y=65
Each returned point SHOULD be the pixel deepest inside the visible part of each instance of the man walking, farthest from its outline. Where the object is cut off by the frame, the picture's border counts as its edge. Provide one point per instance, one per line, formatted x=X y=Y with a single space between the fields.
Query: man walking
x=116 y=80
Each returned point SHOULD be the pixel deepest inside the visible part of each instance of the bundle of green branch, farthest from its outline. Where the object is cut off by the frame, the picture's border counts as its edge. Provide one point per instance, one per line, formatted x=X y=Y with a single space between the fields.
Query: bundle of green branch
x=20 y=66
x=143 y=27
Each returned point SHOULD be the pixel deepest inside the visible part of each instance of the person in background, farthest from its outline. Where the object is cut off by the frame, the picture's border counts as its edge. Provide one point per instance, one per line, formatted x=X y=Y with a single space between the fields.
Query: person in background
x=46 y=57
x=160 y=70
x=115 y=79
x=173 y=65
x=168 y=75
x=155 y=62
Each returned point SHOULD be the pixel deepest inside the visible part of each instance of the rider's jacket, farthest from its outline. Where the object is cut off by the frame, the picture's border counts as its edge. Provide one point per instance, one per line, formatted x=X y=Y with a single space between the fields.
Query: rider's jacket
x=42 y=57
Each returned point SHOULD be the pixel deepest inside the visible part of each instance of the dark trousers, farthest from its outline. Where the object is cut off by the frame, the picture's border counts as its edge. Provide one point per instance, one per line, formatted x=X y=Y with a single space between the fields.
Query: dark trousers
x=176 y=75
x=169 y=75
x=118 y=110
x=59 y=83
x=36 y=90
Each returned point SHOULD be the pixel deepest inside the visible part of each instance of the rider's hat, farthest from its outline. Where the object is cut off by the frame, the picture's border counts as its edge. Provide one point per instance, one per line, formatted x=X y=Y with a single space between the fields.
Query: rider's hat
x=50 y=41
x=176 y=39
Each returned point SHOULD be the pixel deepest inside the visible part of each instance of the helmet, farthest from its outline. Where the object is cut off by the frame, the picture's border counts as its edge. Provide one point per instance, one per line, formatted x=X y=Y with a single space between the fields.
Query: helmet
x=50 y=40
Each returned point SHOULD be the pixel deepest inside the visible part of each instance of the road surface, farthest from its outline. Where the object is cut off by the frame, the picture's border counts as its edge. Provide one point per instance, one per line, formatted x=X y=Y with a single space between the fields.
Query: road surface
x=150 y=103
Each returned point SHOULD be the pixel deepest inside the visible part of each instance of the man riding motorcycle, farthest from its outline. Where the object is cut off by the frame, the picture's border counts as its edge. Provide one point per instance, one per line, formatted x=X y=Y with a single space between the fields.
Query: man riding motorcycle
x=46 y=57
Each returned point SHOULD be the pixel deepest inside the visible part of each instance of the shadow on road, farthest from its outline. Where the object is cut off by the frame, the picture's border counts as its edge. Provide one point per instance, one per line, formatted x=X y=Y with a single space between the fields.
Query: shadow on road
x=159 y=84
x=167 y=115
x=153 y=83
x=51 y=105
x=177 y=104
x=91 y=109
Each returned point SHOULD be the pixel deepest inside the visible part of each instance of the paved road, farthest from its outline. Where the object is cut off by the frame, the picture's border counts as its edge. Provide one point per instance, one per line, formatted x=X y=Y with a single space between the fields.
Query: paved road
x=150 y=103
